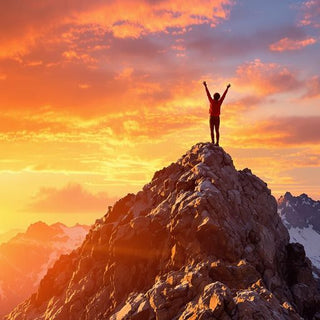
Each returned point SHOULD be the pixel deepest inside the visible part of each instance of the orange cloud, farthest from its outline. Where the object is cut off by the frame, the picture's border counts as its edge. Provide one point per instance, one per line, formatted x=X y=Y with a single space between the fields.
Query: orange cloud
x=125 y=74
x=23 y=24
x=117 y=126
x=84 y=85
x=286 y=44
x=128 y=76
x=135 y=78
x=266 y=78
x=132 y=19
x=73 y=198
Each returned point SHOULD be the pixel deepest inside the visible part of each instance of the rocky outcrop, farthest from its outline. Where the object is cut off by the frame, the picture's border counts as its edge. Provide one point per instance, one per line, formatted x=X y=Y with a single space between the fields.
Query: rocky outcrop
x=200 y=241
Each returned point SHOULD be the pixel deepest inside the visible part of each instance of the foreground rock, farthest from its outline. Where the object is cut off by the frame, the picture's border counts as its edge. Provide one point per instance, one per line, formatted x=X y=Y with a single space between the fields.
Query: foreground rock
x=200 y=241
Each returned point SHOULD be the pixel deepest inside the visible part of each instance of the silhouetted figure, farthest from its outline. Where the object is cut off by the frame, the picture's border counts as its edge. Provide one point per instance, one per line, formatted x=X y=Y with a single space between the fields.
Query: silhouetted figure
x=214 y=111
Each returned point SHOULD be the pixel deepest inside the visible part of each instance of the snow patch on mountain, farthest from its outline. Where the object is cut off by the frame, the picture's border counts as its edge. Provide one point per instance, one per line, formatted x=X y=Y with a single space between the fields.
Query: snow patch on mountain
x=44 y=267
x=310 y=239
x=301 y=216
x=71 y=237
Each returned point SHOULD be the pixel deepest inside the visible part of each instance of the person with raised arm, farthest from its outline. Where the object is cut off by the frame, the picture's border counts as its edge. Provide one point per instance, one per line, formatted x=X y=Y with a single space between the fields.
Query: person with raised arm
x=214 y=111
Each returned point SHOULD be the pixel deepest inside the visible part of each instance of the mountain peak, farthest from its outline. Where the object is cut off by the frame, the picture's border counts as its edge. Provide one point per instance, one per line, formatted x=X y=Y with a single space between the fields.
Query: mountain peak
x=39 y=230
x=212 y=156
x=288 y=195
x=301 y=216
x=200 y=240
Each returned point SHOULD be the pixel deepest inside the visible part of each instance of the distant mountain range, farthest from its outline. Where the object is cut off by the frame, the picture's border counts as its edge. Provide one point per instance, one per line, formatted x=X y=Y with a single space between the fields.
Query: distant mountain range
x=25 y=259
x=6 y=236
x=301 y=216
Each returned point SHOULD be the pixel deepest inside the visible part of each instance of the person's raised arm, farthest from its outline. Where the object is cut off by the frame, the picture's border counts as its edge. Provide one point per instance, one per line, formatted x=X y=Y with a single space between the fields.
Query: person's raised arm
x=225 y=93
x=207 y=91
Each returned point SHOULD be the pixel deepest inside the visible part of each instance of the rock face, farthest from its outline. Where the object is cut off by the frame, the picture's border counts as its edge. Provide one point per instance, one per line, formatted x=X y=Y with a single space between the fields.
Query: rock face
x=25 y=259
x=200 y=241
x=301 y=215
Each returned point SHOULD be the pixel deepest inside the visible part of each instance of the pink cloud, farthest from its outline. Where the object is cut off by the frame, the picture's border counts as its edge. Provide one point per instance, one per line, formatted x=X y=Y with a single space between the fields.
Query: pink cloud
x=286 y=44
x=313 y=88
x=311 y=13
x=266 y=78
x=73 y=198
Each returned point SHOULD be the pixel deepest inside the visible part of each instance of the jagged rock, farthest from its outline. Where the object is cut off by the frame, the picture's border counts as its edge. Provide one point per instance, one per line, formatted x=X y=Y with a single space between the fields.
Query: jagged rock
x=258 y=303
x=200 y=241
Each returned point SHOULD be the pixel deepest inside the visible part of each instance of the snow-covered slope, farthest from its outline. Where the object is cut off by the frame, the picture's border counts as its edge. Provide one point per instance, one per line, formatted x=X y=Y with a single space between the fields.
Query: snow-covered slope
x=25 y=259
x=301 y=216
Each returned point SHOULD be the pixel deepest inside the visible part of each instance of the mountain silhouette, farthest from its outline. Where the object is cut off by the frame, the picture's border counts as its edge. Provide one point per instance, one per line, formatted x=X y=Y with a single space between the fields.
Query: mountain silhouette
x=200 y=241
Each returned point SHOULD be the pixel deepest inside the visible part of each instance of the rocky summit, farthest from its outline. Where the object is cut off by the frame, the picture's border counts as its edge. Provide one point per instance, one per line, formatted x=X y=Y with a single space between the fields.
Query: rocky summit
x=200 y=241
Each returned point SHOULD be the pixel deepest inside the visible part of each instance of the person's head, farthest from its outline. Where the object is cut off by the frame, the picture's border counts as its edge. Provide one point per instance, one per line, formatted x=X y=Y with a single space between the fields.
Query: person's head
x=216 y=96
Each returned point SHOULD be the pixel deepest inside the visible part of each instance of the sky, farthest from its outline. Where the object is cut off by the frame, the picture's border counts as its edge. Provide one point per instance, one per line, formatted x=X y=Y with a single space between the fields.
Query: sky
x=95 y=96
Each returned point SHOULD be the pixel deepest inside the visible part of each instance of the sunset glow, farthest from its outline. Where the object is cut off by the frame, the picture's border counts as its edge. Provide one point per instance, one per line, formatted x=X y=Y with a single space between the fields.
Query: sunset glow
x=96 y=96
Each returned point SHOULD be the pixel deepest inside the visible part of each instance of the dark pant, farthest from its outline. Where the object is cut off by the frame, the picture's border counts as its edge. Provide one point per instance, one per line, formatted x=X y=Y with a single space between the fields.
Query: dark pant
x=214 y=125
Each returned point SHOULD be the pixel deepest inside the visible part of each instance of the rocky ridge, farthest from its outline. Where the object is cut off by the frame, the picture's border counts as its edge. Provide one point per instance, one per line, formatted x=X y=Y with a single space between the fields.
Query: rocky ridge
x=200 y=241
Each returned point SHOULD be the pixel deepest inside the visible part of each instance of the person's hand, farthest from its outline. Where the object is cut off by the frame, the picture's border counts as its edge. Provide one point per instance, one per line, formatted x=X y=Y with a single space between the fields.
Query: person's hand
x=204 y=83
x=229 y=85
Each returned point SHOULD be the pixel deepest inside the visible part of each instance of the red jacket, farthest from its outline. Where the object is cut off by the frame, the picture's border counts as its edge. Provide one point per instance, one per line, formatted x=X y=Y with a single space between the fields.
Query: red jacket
x=215 y=105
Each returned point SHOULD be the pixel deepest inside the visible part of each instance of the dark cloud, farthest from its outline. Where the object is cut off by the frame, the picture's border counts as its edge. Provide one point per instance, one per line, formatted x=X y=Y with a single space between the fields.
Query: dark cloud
x=212 y=42
x=267 y=78
x=285 y=131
